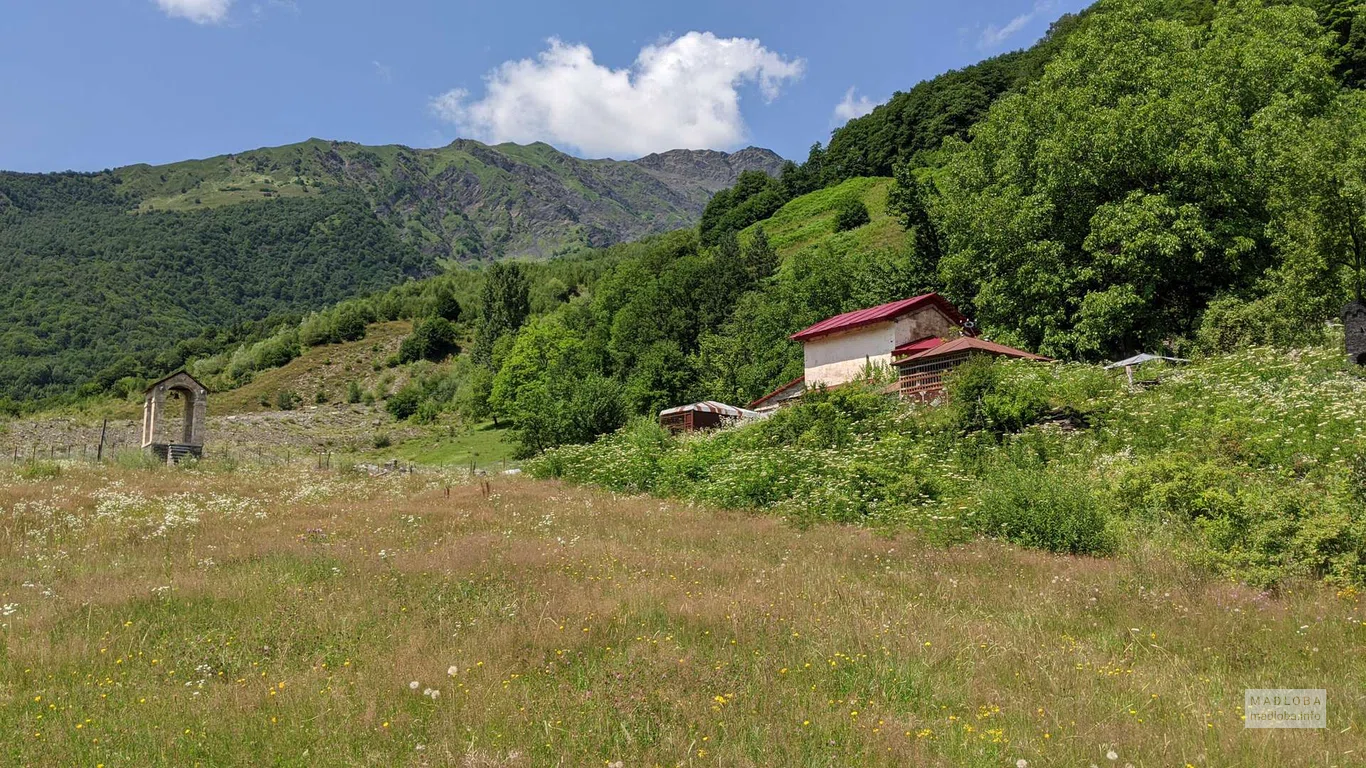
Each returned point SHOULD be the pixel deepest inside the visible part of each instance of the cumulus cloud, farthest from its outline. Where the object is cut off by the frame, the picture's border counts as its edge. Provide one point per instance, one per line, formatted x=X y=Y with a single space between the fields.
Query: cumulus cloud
x=994 y=35
x=679 y=93
x=198 y=11
x=850 y=107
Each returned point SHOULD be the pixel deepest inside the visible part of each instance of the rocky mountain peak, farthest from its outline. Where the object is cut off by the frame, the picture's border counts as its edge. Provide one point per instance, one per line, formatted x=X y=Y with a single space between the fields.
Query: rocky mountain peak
x=709 y=168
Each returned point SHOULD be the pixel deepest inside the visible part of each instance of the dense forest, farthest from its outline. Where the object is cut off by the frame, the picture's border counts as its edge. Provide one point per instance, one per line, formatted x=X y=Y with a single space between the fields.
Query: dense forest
x=92 y=293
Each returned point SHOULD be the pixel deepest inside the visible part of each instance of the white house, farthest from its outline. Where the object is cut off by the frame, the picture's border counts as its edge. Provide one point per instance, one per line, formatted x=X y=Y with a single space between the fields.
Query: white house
x=839 y=349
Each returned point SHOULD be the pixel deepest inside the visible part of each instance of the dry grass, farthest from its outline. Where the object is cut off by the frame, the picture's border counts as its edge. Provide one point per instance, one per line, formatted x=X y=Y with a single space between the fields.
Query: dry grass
x=265 y=618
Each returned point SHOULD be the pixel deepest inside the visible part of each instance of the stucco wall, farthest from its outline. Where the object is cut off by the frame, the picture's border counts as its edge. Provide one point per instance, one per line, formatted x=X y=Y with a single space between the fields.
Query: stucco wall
x=840 y=357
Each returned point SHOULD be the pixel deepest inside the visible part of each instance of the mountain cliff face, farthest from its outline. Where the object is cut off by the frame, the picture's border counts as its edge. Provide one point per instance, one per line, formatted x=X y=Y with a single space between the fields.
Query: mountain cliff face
x=712 y=170
x=467 y=200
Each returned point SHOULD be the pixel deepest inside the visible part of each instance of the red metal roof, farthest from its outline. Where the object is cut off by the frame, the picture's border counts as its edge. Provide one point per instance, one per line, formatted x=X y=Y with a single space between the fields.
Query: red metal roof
x=879 y=314
x=918 y=346
x=970 y=344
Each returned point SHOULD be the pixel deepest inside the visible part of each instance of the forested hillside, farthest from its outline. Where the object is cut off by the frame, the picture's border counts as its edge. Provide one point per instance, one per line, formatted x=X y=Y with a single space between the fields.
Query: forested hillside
x=1149 y=160
x=104 y=273
x=91 y=292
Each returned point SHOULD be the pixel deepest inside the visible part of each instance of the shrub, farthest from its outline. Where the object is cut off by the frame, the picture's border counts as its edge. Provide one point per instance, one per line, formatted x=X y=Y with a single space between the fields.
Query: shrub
x=351 y=321
x=404 y=403
x=353 y=392
x=40 y=470
x=382 y=440
x=445 y=306
x=850 y=213
x=432 y=339
x=1255 y=529
x=1047 y=508
x=983 y=397
x=286 y=400
x=427 y=412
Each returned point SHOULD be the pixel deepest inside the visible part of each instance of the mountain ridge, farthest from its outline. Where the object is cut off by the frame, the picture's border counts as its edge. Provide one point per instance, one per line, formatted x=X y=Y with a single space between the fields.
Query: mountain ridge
x=466 y=201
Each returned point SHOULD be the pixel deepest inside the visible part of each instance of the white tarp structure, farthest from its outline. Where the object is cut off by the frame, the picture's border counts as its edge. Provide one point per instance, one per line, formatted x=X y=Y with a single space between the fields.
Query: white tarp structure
x=1129 y=364
x=1141 y=359
x=711 y=406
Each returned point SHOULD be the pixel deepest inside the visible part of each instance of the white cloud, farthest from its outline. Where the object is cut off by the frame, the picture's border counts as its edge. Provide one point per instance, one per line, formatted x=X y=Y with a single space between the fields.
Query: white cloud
x=850 y=108
x=681 y=93
x=198 y=11
x=993 y=35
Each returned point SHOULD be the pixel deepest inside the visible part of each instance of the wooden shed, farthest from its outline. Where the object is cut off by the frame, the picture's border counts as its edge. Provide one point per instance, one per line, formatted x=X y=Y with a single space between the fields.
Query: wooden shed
x=707 y=414
x=921 y=365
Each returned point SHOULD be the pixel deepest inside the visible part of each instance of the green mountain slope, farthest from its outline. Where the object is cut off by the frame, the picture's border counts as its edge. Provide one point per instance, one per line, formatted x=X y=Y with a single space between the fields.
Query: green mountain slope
x=467 y=200
x=104 y=271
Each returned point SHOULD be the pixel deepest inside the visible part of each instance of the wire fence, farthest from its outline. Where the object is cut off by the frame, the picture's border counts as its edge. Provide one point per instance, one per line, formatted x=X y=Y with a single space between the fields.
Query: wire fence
x=115 y=452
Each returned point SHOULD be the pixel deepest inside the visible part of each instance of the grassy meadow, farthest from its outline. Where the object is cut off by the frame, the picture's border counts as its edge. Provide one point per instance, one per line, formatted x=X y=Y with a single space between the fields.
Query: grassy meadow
x=219 y=616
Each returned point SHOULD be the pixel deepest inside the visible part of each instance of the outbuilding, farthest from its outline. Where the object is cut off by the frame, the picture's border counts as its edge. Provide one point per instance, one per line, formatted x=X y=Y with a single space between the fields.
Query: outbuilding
x=922 y=337
x=707 y=414
x=921 y=365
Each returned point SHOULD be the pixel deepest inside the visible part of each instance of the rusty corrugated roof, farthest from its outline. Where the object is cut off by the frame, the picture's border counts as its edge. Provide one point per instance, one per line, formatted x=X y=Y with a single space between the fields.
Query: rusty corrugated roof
x=970 y=344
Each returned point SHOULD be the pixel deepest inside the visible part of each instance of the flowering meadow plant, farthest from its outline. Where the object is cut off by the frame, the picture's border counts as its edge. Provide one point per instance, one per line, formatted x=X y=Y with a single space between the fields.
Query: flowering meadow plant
x=1252 y=464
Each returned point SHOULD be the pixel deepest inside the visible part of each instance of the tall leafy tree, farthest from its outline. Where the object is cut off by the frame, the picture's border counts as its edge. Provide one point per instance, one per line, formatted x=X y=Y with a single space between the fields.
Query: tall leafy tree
x=1099 y=210
x=1317 y=171
x=506 y=302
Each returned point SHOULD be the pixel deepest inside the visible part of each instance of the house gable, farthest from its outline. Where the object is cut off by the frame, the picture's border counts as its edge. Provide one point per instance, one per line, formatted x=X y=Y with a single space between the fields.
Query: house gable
x=839 y=357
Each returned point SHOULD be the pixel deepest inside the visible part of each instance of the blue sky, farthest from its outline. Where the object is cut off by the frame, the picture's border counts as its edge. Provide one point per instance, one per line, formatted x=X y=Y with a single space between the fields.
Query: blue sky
x=91 y=84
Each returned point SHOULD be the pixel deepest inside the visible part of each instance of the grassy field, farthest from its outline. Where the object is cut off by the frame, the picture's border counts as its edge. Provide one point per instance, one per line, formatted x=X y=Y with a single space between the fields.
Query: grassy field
x=251 y=617
x=810 y=219
x=482 y=445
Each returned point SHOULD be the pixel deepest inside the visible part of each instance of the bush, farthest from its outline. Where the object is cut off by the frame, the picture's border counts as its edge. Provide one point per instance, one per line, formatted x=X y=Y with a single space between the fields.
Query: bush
x=850 y=213
x=445 y=306
x=351 y=321
x=1231 y=323
x=286 y=400
x=983 y=397
x=1252 y=528
x=353 y=392
x=432 y=339
x=382 y=440
x=427 y=412
x=1047 y=508
x=41 y=470
x=404 y=403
